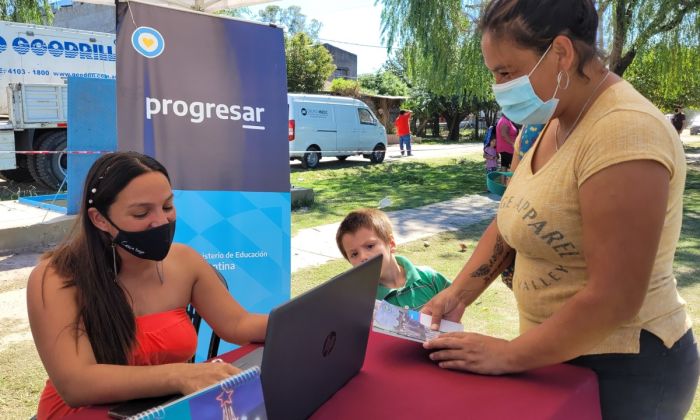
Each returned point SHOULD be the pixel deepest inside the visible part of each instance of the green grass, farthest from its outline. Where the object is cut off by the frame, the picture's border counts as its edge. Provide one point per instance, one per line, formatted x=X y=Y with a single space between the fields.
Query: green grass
x=345 y=186
x=22 y=378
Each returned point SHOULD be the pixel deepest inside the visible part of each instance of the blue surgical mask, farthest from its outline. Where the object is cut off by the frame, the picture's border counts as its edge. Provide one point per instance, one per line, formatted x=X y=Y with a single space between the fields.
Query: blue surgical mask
x=520 y=103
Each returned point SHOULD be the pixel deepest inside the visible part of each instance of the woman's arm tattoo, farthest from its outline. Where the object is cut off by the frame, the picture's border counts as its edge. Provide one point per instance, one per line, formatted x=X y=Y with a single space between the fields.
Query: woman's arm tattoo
x=500 y=257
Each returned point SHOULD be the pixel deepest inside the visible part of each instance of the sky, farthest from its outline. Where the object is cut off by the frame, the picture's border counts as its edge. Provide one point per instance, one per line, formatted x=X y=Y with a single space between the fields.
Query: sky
x=349 y=21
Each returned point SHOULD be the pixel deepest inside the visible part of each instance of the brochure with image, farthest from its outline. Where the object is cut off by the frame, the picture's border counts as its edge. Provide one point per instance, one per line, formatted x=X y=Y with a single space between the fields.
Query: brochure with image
x=237 y=397
x=408 y=324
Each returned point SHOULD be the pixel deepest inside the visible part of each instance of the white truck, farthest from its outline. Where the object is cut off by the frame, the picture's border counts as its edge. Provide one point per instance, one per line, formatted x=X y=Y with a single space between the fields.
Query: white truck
x=35 y=62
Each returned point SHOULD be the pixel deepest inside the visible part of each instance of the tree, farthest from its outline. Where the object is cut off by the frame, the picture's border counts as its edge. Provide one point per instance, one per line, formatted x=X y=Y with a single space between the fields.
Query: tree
x=383 y=83
x=442 y=54
x=627 y=27
x=345 y=87
x=26 y=11
x=667 y=76
x=308 y=64
x=633 y=26
x=240 y=12
x=438 y=34
x=291 y=19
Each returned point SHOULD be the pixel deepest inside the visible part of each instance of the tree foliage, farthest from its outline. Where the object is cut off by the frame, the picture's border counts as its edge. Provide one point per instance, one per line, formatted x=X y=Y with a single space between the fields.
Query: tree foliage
x=26 y=11
x=667 y=76
x=441 y=54
x=308 y=64
x=630 y=27
x=657 y=40
x=346 y=87
x=383 y=82
x=291 y=19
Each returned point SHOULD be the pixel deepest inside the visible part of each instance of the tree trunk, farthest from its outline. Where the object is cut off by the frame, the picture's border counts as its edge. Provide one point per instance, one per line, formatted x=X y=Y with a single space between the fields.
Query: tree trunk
x=453 y=120
x=621 y=21
x=420 y=127
x=623 y=63
x=436 y=125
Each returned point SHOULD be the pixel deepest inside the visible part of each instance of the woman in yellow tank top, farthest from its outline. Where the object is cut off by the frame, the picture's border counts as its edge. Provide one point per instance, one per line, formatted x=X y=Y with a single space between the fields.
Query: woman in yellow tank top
x=594 y=268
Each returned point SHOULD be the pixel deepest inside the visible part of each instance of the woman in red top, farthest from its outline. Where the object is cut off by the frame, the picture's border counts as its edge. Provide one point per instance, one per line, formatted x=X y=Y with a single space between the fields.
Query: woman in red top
x=107 y=307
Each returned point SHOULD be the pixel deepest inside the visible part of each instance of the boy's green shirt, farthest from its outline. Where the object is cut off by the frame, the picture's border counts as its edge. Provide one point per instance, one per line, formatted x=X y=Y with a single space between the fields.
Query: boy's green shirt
x=422 y=283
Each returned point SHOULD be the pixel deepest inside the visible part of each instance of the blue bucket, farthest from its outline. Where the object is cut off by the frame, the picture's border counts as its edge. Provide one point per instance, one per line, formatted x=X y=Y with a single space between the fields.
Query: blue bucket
x=493 y=183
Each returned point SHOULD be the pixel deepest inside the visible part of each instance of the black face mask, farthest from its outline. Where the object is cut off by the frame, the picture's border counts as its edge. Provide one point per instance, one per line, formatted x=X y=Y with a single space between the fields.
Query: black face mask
x=150 y=244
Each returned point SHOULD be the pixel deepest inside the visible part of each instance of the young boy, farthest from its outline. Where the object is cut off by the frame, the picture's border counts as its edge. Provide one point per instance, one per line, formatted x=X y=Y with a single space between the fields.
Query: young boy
x=365 y=233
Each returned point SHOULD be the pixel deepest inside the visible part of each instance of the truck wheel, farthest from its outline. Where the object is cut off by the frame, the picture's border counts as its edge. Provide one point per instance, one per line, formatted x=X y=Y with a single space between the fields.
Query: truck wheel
x=378 y=153
x=311 y=158
x=52 y=169
x=33 y=171
x=21 y=174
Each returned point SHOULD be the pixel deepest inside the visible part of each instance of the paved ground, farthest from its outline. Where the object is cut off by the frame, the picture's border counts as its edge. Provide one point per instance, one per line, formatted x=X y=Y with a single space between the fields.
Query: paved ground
x=420 y=151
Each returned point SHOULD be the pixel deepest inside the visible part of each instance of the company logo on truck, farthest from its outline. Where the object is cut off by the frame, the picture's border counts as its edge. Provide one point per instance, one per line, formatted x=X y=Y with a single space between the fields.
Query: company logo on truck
x=148 y=42
x=59 y=48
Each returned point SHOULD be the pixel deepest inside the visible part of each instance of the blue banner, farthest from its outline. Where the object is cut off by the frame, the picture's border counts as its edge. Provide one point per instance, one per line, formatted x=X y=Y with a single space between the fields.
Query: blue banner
x=209 y=102
x=92 y=126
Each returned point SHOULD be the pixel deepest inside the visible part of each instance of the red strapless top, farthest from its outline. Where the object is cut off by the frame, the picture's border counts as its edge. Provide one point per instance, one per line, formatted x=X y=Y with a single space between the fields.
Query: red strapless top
x=164 y=337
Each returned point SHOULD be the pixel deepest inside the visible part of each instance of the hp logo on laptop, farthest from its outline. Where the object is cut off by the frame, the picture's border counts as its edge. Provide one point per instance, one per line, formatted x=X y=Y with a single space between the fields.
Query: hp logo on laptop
x=328 y=344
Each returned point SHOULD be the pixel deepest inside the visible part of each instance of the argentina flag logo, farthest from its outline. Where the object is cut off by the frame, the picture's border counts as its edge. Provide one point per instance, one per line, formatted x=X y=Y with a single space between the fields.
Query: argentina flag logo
x=148 y=42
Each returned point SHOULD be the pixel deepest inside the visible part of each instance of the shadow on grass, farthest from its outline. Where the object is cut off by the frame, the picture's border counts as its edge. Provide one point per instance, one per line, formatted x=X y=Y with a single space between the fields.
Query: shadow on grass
x=692 y=148
x=333 y=164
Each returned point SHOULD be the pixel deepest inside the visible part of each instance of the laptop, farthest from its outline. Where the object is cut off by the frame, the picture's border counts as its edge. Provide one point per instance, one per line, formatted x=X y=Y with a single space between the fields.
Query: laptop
x=316 y=342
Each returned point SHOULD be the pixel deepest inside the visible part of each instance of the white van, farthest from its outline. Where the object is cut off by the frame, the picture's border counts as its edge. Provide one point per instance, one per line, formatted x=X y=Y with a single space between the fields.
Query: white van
x=321 y=125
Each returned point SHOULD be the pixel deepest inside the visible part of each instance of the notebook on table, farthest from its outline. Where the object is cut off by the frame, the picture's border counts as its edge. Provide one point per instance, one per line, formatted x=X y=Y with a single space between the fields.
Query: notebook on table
x=239 y=396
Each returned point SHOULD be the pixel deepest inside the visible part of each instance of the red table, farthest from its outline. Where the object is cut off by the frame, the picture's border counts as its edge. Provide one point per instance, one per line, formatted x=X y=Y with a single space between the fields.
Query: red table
x=399 y=381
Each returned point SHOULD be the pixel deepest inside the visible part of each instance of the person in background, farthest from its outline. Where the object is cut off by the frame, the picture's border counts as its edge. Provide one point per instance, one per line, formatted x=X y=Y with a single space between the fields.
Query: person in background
x=505 y=139
x=365 y=233
x=403 y=130
x=594 y=280
x=527 y=137
x=678 y=120
x=491 y=156
x=107 y=308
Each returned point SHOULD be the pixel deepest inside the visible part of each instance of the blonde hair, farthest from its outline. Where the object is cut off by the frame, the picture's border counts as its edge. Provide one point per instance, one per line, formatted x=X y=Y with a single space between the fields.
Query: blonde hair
x=373 y=219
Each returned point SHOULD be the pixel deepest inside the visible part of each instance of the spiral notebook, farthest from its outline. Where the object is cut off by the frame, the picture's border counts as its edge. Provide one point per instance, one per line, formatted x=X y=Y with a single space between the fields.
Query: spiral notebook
x=237 y=397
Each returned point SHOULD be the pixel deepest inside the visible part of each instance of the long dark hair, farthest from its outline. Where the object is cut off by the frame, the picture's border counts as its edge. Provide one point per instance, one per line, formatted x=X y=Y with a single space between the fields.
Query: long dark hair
x=535 y=23
x=86 y=260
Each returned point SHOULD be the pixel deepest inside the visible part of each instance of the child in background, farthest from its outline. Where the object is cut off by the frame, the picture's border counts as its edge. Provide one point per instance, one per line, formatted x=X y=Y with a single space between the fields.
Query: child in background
x=365 y=233
x=491 y=156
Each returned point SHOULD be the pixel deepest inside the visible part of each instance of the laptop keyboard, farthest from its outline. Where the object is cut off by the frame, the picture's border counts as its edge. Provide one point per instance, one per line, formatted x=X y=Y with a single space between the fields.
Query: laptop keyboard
x=254 y=358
